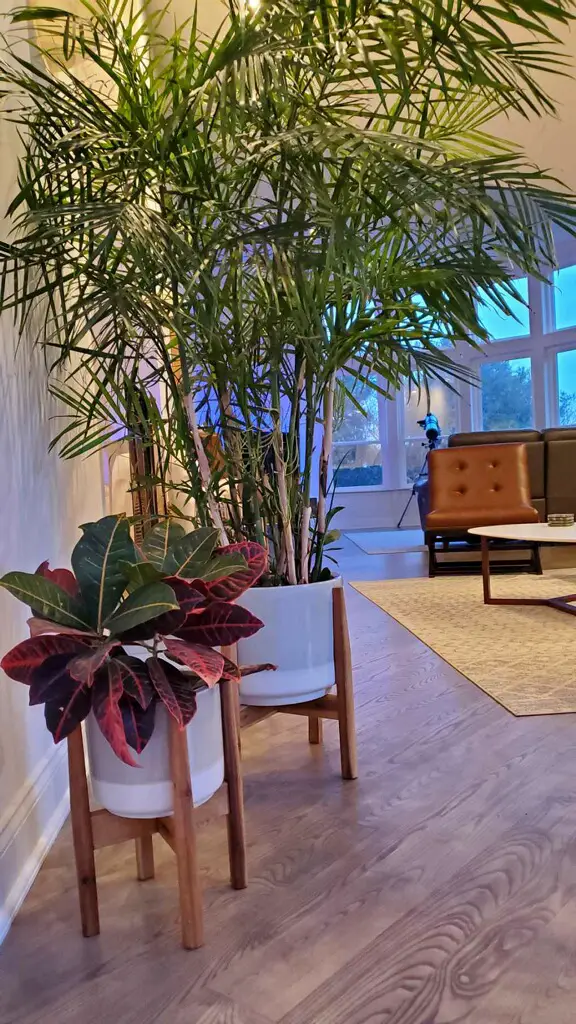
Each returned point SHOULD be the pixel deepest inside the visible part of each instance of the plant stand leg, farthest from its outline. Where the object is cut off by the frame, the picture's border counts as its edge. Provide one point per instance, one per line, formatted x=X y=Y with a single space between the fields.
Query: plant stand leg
x=315 y=730
x=344 y=687
x=82 y=835
x=232 y=654
x=185 y=841
x=144 y=858
x=235 y=819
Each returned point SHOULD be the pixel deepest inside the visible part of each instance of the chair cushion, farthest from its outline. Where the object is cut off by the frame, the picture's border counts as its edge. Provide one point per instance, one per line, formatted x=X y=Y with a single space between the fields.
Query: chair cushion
x=468 y=518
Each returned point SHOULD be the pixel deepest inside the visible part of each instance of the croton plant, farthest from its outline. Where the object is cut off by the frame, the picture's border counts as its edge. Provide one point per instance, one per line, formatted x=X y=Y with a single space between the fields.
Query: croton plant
x=172 y=597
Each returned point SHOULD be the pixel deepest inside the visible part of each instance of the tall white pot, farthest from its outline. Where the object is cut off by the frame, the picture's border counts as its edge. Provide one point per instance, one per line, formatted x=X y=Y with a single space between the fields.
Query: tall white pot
x=298 y=637
x=146 y=791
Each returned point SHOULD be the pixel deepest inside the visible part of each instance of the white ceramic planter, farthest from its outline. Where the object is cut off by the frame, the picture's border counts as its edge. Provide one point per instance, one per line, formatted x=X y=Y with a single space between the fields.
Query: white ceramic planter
x=146 y=791
x=298 y=637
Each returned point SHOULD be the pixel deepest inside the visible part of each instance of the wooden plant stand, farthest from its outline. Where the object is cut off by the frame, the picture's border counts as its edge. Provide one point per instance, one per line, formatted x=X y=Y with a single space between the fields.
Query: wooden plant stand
x=338 y=706
x=93 y=830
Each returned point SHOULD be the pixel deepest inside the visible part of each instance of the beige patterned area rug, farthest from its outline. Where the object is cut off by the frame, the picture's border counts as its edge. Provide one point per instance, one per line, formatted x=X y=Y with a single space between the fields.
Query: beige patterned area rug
x=523 y=657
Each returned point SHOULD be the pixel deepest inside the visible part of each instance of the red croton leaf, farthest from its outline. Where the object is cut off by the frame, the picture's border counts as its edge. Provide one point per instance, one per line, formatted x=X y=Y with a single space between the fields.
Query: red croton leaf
x=64 y=716
x=234 y=673
x=231 y=672
x=62 y=577
x=189 y=593
x=51 y=680
x=67 y=701
x=40 y=626
x=189 y=596
x=219 y=624
x=204 y=661
x=107 y=693
x=84 y=666
x=250 y=670
x=138 y=723
x=20 y=662
x=231 y=587
x=135 y=679
x=174 y=690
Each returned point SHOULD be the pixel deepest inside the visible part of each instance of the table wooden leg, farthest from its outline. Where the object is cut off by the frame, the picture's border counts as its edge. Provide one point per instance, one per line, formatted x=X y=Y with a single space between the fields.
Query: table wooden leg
x=344 y=687
x=315 y=730
x=82 y=835
x=236 y=826
x=185 y=841
x=144 y=858
x=486 y=569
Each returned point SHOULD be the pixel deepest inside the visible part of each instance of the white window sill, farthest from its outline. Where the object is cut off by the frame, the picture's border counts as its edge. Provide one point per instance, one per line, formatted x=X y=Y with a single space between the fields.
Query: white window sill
x=376 y=488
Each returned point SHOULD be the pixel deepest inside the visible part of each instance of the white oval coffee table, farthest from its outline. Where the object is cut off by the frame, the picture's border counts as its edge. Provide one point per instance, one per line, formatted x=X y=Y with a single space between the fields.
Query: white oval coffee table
x=532 y=533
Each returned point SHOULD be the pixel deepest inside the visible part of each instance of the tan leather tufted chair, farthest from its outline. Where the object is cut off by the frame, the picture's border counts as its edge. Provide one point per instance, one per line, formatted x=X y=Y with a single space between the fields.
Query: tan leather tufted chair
x=476 y=485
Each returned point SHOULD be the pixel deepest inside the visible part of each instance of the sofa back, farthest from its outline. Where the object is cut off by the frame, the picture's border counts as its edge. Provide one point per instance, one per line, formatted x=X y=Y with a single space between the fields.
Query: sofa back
x=535 y=451
x=560 y=443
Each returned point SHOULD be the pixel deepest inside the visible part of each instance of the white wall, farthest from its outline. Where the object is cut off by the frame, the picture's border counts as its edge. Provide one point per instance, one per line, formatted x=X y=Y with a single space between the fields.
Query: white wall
x=211 y=14
x=43 y=501
x=375 y=509
x=550 y=142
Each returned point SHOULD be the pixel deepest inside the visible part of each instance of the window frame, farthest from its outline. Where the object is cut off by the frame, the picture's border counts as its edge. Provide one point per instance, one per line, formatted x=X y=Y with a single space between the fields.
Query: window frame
x=541 y=346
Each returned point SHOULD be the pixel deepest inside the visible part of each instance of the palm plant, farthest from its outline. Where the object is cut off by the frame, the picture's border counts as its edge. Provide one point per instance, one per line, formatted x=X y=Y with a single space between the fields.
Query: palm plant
x=209 y=231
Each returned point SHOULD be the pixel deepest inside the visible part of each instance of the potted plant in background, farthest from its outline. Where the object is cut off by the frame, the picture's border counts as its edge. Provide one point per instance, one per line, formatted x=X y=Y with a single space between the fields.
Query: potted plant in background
x=309 y=198
x=127 y=639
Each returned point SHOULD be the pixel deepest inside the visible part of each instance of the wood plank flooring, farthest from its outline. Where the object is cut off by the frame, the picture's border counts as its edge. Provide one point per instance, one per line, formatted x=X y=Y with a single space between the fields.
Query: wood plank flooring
x=440 y=888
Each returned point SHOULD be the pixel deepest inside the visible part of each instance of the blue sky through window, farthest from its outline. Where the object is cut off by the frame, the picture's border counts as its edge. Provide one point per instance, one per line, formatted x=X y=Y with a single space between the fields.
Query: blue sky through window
x=499 y=326
x=566 y=365
x=564 y=281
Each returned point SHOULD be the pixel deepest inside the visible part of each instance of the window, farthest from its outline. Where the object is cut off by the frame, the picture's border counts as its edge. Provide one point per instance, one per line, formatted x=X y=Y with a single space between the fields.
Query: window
x=358 y=465
x=564 y=298
x=527 y=378
x=566 y=372
x=444 y=403
x=507 y=395
x=356 y=450
x=501 y=327
x=434 y=328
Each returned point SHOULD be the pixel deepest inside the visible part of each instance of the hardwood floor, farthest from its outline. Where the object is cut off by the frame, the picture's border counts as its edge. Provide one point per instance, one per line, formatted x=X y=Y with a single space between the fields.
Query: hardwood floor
x=440 y=888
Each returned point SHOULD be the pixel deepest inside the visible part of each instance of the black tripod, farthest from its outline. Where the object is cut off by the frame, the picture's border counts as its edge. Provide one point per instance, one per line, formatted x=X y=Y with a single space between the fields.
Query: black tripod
x=430 y=445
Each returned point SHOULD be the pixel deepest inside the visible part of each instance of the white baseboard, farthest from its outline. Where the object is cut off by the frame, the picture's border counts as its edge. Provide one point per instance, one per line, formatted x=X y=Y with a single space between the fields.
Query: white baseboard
x=28 y=828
